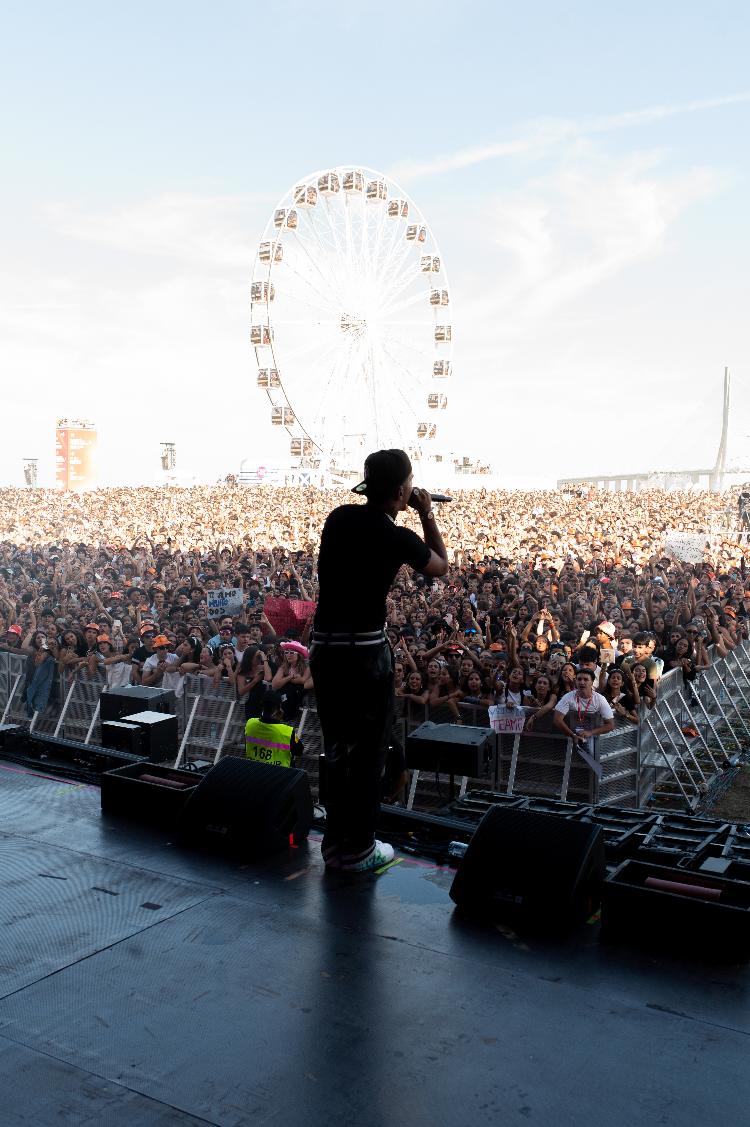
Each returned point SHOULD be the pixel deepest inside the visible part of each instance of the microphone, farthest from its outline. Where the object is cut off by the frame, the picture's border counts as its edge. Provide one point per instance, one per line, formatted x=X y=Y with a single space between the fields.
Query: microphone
x=438 y=497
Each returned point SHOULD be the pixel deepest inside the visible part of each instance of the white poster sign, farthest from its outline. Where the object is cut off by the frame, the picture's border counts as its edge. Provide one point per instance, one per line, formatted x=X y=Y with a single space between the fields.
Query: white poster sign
x=506 y=720
x=685 y=546
x=225 y=600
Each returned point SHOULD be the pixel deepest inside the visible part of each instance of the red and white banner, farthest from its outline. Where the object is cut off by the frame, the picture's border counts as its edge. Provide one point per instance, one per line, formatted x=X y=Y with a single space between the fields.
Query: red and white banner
x=288 y=614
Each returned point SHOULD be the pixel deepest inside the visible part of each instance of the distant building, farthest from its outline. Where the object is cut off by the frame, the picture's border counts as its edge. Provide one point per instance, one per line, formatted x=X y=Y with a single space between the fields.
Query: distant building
x=75 y=455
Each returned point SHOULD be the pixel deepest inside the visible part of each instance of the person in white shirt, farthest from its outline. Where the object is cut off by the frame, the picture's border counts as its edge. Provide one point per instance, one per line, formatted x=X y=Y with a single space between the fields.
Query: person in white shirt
x=583 y=713
x=115 y=666
x=160 y=663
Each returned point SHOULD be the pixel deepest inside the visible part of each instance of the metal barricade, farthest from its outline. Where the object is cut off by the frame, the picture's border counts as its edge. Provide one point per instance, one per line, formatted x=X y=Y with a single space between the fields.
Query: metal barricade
x=680 y=748
x=79 y=716
x=214 y=724
x=686 y=740
x=617 y=752
x=541 y=764
x=12 y=687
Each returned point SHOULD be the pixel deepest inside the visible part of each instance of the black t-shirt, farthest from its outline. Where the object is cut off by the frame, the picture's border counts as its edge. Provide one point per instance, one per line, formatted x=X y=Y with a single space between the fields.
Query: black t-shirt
x=361 y=550
x=254 y=700
x=292 y=703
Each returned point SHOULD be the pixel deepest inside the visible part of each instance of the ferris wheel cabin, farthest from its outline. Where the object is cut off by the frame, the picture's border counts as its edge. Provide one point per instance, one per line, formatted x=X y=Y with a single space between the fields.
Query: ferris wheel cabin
x=285 y=218
x=430 y=264
x=354 y=181
x=437 y=402
x=398 y=209
x=415 y=231
x=376 y=190
x=269 y=250
x=439 y=297
x=261 y=293
x=441 y=369
x=328 y=184
x=301 y=447
x=268 y=377
x=305 y=195
x=261 y=335
x=442 y=334
x=282 y=417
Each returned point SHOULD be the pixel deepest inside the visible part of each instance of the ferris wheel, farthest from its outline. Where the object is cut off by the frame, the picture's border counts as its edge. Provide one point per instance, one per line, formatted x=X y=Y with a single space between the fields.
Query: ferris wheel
x=351 y=320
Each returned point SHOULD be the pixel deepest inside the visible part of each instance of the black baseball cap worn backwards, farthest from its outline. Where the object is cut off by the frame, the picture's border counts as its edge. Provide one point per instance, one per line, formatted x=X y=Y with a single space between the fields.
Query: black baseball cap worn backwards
x=385 y=471
x=272 y=702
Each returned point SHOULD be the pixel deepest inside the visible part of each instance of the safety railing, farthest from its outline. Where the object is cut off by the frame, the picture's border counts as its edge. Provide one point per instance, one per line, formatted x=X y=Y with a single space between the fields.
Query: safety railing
x=690 y=736
x=12 y=683
x=214 y=722
x=677 y=752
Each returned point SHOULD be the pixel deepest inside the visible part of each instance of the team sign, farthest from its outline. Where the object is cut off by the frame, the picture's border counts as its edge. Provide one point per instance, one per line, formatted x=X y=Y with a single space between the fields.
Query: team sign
x=506 y=720
x=225 y=600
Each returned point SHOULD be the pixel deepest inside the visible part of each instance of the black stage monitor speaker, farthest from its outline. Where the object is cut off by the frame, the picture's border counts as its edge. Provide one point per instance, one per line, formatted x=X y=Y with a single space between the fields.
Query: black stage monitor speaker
x=159 y=732
x=114 y=704
x=452 y=749
x=248 y=809
x=536 y=868
x=123 y=736
x=9 y=732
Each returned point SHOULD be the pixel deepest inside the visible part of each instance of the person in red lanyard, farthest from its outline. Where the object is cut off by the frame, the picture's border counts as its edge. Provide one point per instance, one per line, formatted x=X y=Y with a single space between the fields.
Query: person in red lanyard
x=583 y=713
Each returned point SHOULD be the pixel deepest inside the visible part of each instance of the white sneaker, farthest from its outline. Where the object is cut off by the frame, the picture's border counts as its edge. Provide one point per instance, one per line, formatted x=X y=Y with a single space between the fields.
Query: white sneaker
x=382 y=854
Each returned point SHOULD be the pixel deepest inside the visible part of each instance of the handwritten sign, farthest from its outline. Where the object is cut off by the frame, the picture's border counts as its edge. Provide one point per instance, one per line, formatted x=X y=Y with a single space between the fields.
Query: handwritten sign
x=225 y=600
x=506 y=720
x=686 y=546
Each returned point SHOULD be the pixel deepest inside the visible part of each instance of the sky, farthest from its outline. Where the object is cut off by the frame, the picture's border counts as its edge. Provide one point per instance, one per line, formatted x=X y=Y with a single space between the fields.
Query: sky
x=584 y=168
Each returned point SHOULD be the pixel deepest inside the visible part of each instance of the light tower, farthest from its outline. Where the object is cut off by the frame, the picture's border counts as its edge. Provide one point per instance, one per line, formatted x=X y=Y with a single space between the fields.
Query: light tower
x=717 y=477
x=168 y=456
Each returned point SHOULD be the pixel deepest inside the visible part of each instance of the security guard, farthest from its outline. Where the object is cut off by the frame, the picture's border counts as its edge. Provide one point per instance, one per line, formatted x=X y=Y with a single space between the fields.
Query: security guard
x=266 y=739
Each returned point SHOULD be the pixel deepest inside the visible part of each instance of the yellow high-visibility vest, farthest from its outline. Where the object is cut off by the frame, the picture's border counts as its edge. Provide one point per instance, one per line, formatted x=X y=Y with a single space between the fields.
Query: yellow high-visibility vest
x=269 y=743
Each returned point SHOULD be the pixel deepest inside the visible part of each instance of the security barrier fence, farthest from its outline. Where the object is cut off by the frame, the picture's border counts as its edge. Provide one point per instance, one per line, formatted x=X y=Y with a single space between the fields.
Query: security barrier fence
x=675 y=757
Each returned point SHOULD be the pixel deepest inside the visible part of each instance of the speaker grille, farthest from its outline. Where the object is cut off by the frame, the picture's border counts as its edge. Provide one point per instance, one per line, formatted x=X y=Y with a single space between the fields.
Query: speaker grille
x=248 y=808
x=536 y=865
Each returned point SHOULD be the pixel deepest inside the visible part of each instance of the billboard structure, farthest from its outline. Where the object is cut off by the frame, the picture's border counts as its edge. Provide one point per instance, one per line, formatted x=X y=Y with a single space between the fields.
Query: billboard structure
x=75 y=449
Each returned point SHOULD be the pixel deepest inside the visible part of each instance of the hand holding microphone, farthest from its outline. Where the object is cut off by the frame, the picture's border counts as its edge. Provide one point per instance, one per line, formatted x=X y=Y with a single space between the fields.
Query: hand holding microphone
x=420 y=500
x=423 y=501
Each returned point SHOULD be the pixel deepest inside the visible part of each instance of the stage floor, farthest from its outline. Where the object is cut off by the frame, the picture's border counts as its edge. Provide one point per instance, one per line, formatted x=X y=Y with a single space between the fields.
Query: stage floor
x=144 y=984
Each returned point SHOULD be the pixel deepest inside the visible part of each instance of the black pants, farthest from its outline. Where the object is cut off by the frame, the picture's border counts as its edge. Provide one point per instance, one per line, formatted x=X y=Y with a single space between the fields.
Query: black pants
x=354 y=693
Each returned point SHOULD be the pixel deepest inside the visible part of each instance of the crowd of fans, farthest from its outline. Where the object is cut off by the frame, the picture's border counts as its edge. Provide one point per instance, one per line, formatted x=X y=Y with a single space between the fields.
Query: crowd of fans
x=114 y=584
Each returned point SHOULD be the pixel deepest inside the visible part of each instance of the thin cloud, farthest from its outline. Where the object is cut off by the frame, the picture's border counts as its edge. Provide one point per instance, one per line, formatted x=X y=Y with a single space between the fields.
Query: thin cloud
x=567 y=234
x=541 y=135
x=213 y=231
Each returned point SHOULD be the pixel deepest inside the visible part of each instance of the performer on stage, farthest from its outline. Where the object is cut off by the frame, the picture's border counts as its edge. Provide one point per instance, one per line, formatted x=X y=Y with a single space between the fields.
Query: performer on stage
x=361 y=550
